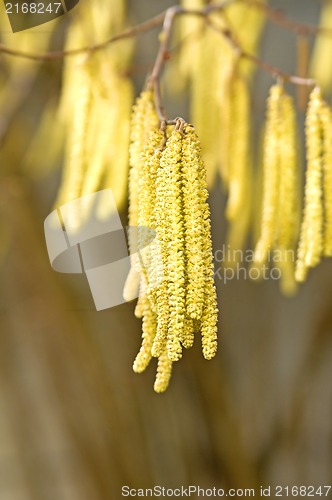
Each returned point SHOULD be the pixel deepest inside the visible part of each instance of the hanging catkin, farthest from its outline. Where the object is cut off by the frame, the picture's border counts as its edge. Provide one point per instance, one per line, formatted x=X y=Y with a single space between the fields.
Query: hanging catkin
x=281 y=178
x=327 y=178
x=172 y=200
x=316 y=229
x=311 y=238
x=144 y=120
x=271 y=162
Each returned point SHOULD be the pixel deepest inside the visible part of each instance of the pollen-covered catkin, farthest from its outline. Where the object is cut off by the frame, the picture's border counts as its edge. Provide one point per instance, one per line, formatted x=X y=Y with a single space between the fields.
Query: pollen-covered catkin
x=149 y=330
x=147 y=197
x=170 y=164
x=238 y=147
x=193 y=223
x=164 y=371
x=94 y=111
x=207 y=324
x=177 y=295
x=311 y=236
x=75 y=164
x=144 y=120
x=289 y=196
x=271 y=170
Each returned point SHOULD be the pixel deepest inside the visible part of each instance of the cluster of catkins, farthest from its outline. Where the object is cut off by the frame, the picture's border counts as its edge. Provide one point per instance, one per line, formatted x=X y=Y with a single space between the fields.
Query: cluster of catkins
x=173 y=268
x=281 y=224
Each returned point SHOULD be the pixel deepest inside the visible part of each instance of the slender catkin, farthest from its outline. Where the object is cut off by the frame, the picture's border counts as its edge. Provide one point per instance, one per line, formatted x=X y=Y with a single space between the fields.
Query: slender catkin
x=164 y=371
x=210 y=310
x=208 y=323
x=116 y=157
x=149 y=330
x=288 y=204
x=193 y=223
x=161 y=224
x=75 y=165
x=238 y=147
x=144 y=120
x=326 y=115
x=146 y=197
x=289 y=196
x=311 y=237
x=177 y=295
x=271 y=163
x=170 y=164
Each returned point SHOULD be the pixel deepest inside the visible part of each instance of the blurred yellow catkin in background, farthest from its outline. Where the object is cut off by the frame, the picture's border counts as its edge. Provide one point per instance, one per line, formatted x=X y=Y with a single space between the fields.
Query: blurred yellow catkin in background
x=280 y=196
x=320 y=66
x=95 y=108
x=315 y=240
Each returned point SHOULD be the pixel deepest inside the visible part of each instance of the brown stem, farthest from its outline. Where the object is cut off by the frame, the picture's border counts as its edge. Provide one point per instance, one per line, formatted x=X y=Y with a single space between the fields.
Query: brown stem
x=154 y=80
x=278 y=17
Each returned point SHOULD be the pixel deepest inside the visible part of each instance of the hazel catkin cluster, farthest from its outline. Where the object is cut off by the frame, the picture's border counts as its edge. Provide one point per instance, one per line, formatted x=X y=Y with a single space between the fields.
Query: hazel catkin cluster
x=177 y=292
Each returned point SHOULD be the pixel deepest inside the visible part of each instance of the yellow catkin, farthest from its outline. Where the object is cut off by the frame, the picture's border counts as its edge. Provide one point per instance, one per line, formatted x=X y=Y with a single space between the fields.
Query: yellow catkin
x=97 y=138
x=288 y=203
x=162 y=230
x=326 y=116
x=311 y=237
x=149 y=330
x=170 y=165
x=288 y=211
x=100 y=159
x=144 y=120
x=117 y=154
x=75 y=163
x=208 y=323
x=193 y=223
x=188 y=333
x=208 y=82
x=142 y=285
x=146 y=195
x=172 y=200
x=206 y=97
x=239 y=154
x=236 y=162
x=320 y=67
x=189 y=34
x=271 y=163
x=164 y=371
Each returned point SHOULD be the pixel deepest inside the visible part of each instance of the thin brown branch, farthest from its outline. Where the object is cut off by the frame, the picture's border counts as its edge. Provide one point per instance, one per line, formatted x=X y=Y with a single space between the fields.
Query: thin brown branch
x=154 y=80
x=272 y=70
x=274 y=15
x=278 y=17
x=171 y=14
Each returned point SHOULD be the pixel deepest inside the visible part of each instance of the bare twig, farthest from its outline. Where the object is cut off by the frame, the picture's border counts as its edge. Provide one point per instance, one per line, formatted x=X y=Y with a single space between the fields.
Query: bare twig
x=274 y=71
x=277 y=16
